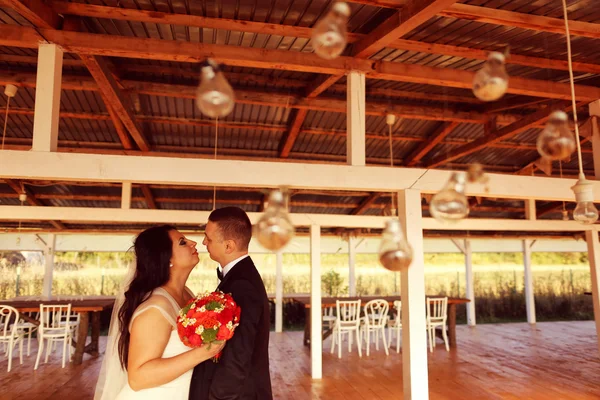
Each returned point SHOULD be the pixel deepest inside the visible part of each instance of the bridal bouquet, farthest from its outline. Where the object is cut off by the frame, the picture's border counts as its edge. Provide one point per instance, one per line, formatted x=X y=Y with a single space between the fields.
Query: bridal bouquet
x=207 y=318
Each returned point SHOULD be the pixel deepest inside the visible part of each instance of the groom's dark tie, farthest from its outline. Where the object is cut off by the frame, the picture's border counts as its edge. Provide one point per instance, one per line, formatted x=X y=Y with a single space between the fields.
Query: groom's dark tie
x=219 y=274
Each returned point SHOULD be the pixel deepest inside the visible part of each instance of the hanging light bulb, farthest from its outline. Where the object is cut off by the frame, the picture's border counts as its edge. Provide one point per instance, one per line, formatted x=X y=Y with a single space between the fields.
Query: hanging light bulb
x=585 y=212
x=329 y=34
x=556 y=142
x=395 y=253
x=491 y=81
x=274 y=229
x=450 y=204
x=215 y=97
x=565 y=215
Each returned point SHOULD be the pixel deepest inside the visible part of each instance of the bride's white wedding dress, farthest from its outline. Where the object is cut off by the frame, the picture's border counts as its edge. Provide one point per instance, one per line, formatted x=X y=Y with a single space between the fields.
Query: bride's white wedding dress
x=178 y=388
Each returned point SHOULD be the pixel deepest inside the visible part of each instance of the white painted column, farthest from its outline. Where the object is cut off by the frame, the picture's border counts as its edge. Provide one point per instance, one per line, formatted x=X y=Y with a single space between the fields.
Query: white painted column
x=594 y=109
x=316 y=335
x=352 y=266
x=355 y=118
x=414 y=338
x=529 y=298
x=279 y=292
x=49 y=264
x=126 y=195
x=594 y=256
x=530 y=214
x=471 y=319
x=47 y=97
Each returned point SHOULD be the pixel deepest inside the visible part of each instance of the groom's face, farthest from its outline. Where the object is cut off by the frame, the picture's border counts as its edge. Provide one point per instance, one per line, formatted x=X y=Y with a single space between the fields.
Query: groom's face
x=213 y=240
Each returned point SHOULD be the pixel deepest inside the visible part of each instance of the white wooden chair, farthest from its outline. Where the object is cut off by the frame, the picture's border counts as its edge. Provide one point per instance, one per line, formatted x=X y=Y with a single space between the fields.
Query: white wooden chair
x=347 y=322
x=374 y=322
x=437 y=314
x=54 y=328
x=28 y=328
x=10 y=335
x=395 y=325
x=329 y=317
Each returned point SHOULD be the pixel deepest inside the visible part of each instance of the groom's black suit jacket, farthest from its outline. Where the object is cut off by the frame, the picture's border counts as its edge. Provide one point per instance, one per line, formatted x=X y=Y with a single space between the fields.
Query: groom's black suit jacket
x=243 y=371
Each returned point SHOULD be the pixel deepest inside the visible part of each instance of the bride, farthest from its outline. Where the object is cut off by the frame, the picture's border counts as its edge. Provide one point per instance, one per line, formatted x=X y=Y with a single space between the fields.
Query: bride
x=145 y=358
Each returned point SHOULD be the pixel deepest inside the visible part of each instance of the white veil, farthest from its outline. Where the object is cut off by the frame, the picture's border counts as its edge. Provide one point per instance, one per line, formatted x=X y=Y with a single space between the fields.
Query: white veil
x=112 y=376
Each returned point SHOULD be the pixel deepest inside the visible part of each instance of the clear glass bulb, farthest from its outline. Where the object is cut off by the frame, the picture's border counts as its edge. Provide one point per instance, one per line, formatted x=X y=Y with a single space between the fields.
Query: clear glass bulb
x=450 y=204
x=215 y=97
x=329 y=36
x=585 y=212
x=274 y=229
x=556 y=142
x=491 y=81
x=395 y=253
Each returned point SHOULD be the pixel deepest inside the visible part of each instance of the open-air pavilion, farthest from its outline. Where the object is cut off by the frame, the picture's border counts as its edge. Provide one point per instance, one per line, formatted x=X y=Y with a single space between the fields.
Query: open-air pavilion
x=103 y=138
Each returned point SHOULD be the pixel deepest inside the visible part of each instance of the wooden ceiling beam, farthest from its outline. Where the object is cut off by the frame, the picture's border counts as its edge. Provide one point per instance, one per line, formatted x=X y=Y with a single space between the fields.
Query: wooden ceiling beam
x=526 y=21
x=148 y=197
x=366 y=203
x=525 y=123
x=413 y=14
x=35 y=11
x=433 y=140
x=16 y=186
x=169 y=50
x=122 y=14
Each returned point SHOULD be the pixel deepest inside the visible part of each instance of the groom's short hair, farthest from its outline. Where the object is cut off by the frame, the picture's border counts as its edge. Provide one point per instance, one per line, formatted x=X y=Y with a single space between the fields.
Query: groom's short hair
x=234 y=224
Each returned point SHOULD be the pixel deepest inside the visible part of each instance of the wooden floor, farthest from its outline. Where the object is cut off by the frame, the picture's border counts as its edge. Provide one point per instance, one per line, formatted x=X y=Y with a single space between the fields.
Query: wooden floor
x=556 y=360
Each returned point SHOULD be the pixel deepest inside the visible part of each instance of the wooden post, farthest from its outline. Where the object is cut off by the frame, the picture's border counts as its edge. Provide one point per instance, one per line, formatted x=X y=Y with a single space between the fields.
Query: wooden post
x=594 y=109
x=316 y=331
x=594 y=256
x=47 y=97
x=414 y=339
x=352 y=266
x=49 y=265
x=279 y=292
x=471 y=319
x=355 y=118
x=530 y=214
x=126 y=195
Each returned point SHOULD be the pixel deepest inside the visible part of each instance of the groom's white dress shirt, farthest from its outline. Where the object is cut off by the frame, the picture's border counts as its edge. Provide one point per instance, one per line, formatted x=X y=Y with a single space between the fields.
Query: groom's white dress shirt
x=232 y=264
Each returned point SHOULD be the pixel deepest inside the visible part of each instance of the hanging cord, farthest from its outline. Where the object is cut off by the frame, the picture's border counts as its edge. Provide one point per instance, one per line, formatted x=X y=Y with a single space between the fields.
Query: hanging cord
x=216 y=142
x=394 y=210
x=572 y=81
x=564 y=205
x=5 y=122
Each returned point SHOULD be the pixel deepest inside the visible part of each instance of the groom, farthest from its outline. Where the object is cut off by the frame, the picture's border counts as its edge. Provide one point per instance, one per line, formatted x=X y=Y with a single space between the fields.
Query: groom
x=243 y=370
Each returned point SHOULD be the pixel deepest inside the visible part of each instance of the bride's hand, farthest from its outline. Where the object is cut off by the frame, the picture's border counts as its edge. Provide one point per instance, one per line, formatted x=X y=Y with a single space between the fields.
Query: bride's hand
x=207 y=351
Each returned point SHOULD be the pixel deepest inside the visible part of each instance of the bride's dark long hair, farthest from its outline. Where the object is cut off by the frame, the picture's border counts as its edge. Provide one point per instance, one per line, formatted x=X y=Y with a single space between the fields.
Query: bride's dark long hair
x=153 y=250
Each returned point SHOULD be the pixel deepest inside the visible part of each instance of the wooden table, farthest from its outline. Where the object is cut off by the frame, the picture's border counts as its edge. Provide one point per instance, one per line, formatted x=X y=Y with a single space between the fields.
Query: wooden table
x=327 y=302
x=85 y=307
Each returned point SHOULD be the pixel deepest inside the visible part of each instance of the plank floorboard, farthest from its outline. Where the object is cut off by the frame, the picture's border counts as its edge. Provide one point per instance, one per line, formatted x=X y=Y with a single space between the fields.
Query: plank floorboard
x=551 y=360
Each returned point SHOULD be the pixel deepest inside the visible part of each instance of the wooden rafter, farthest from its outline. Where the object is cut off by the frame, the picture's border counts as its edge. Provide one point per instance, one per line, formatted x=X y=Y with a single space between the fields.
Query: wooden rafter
x=548 y=208
x=123 y=14
x=521 y=20
x=413 y=14
x=31 y=199
x=116 y=101
x=148 y=197
x=35 y=11
x=433 y=140
x=510 y=130
x=321 y=84
x=168 y=50
x=366 y=203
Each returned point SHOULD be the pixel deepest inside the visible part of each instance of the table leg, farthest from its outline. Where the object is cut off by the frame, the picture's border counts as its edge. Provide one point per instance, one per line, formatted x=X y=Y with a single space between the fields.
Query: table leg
x=452 y=324
x=81 y=336
x=306 y=326
x=93 y=346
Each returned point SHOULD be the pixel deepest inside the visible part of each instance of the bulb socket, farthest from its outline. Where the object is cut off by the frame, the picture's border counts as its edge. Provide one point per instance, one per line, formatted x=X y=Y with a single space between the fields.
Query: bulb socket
x=23 y=197
x=496 y=56
x=584 y=191
x=10 y=90
x=390 y=119
x=341 y=8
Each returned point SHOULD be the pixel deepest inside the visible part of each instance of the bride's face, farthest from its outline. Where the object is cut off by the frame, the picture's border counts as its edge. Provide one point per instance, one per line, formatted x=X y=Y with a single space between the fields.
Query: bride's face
x=184 y=254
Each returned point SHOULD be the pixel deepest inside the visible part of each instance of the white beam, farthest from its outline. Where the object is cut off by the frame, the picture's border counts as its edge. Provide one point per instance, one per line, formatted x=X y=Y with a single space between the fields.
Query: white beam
x=235 y=173
x=529 y=297
x=47 y=97
x=352 y=266
x=471 y=319
x=594 y=257
x=355 y=118
x=48 y=265
x=126 y=195
x=87 y=214
x=414 y=340
x=279 y=292
x=316 y=335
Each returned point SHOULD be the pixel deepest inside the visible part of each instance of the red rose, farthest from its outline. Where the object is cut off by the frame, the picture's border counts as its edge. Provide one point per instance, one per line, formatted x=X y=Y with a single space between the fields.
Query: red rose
x=224 y=333
x=195 y=340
